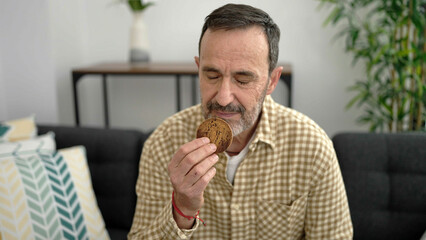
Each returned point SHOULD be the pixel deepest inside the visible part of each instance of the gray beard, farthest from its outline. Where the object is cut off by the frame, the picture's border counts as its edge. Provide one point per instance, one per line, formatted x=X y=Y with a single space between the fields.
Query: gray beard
x=248 y=118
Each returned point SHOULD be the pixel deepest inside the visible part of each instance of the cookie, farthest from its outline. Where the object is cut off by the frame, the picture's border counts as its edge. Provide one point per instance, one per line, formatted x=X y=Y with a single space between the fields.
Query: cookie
x=218 y=131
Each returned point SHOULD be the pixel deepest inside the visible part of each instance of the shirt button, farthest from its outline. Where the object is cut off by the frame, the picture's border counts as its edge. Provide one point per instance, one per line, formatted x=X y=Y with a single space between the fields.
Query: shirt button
x=235 y=206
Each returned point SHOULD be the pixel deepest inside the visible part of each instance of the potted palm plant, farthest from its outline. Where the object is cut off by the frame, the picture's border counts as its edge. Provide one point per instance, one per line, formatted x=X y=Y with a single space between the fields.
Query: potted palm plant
x=388 y=36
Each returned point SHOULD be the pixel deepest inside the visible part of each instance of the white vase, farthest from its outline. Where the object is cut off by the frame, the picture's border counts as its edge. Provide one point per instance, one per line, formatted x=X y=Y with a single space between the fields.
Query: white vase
x=139 y=44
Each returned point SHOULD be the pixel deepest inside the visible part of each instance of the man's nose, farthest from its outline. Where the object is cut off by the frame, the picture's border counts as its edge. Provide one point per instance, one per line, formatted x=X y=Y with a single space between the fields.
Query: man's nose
x=225 y=93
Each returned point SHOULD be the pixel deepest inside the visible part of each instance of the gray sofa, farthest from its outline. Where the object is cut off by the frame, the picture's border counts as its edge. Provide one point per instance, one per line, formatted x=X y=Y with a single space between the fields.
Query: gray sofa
x=113 y=158
x=385 y=179
x=384 y=174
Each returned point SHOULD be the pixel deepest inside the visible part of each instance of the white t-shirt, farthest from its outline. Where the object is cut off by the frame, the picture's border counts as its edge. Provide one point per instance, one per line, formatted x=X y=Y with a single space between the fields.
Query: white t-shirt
x=234 y=162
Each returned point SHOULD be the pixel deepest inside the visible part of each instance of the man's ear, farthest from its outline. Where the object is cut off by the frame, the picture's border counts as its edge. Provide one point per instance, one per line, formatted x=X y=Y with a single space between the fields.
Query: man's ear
x=197 y=61
x=275 y=77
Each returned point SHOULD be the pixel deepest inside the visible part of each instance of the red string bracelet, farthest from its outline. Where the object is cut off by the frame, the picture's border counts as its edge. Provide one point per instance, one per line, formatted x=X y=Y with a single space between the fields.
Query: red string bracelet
x=181 y=213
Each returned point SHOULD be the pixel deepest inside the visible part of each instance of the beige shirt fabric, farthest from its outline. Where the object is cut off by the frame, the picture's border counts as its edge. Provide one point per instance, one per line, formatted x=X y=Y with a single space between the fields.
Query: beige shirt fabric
x=289 y=186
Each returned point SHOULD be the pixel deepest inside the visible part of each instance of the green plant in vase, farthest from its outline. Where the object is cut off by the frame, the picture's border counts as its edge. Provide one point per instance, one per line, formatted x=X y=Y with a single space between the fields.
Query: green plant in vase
x=139 y=43
x=388 y=36
x=138 y=5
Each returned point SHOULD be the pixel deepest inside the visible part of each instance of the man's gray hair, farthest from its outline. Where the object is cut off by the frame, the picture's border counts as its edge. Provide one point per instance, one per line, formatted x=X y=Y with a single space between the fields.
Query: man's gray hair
x=240 y=16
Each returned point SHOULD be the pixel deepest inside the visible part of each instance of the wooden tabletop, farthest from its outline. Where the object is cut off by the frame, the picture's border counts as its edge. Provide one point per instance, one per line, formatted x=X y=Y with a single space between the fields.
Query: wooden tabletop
x=183 y=68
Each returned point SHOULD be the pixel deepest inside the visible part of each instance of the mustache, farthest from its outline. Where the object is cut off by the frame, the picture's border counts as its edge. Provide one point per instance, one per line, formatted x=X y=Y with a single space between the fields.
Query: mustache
x=228 y=108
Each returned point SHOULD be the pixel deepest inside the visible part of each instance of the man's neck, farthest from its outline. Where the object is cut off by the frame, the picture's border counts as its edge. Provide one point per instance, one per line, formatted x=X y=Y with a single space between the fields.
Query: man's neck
x=242 y=139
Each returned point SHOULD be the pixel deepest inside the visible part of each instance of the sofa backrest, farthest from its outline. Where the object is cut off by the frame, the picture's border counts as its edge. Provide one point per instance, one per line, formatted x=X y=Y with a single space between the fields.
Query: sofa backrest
x=385 y=179
x=113 y=157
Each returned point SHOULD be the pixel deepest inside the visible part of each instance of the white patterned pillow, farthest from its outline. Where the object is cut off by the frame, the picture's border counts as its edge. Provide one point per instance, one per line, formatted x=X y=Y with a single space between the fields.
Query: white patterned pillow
x=18 y=129
x=42 y=144
x=76 y=159
x=49 y=196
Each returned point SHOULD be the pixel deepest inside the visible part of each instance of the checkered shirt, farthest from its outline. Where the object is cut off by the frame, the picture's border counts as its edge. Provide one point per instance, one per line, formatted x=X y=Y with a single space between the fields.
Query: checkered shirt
x=289 y=185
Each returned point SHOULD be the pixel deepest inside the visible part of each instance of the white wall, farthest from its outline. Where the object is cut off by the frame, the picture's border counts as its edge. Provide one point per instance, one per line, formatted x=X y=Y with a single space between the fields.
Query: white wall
x=81 y=32
x=27 y=68
x=68 y=29
x=3 y=106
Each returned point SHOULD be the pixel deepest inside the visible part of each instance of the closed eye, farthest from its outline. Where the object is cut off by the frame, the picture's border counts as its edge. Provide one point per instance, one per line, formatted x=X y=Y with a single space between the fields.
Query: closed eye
x=212 y=75
x=242 y=82
x=244 y=78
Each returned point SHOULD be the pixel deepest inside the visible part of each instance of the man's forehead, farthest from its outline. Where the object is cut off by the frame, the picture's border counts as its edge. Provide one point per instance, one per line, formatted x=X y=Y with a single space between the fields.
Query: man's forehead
x=253 y=39
x=253 y=29
x=239 y=46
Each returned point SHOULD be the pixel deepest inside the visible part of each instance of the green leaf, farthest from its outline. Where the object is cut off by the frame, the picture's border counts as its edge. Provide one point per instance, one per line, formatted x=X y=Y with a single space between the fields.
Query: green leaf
x=354 y=35
x=138 y=5
x=335 y=14
x=364 y=119
x=421 y=87
x=384 y=104
x=380 y=54
x=354 y=100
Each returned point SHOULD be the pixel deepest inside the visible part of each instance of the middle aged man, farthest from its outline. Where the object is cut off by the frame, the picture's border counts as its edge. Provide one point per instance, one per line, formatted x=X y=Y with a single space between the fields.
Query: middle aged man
x=279 y=179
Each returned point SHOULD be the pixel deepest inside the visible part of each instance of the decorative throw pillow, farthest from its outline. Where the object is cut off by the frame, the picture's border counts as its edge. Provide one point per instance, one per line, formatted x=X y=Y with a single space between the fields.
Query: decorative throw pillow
x=48 y=196
x=17 y=130
x=42 y=144
x=75 y=157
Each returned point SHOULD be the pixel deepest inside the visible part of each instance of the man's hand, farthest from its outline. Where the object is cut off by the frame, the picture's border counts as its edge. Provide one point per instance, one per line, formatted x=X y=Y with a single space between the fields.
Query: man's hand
x=190 y=170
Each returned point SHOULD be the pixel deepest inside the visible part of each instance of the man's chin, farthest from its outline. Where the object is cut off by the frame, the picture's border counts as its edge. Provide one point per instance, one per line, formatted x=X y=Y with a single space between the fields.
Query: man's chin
x=234 y=124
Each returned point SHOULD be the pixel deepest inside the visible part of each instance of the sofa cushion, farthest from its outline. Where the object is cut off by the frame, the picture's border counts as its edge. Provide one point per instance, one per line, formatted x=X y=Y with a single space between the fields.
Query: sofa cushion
x=48 y=196
x=384 y=175
x=113 y=157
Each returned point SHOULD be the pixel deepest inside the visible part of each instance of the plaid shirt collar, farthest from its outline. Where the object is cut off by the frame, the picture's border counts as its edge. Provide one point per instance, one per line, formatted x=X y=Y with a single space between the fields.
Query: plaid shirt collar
x=264 y=133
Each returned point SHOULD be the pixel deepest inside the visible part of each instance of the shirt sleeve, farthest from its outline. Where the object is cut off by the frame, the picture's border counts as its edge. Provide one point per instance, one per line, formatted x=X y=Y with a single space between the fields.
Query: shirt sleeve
x=328 y=215
x=153 y=217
